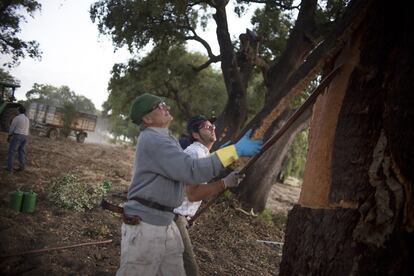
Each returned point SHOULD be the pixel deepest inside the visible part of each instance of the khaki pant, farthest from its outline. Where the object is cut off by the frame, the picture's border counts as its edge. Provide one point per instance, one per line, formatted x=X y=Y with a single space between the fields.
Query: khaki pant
x=190 y=263
x=151 y=250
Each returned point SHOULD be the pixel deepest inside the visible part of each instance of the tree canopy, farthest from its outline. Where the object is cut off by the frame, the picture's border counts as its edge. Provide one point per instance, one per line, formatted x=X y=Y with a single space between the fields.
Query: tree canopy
x=137 y=24
x=165 y=72
x=59 y=96
x=10 y=20
x=7 y=77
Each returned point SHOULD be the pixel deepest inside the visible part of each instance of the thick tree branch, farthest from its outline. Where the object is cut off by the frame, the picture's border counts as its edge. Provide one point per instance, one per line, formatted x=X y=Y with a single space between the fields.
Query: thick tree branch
x=206 y=64
x=212 y=57
x=197 y=38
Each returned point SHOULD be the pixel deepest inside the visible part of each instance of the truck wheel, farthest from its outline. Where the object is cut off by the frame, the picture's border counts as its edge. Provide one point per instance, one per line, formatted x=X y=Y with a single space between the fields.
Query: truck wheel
x=53 y=133
x=7 y=117
x=80 y=137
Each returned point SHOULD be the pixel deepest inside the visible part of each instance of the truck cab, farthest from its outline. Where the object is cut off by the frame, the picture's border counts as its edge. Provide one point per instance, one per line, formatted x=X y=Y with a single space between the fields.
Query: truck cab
x=8 y=104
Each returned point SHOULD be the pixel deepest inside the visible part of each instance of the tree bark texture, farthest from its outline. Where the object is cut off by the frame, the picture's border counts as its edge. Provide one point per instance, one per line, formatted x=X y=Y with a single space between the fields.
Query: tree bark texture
x=356 y=214
x=293 y=78
x=265 y=172
x=234 y=115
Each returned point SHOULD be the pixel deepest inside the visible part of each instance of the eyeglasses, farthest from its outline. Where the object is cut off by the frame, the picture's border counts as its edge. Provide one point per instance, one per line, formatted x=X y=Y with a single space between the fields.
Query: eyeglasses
x=161 y=105
x=208 y=127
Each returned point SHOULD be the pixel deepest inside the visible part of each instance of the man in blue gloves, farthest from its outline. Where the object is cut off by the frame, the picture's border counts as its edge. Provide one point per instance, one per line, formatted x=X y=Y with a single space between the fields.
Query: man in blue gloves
x=151 y=243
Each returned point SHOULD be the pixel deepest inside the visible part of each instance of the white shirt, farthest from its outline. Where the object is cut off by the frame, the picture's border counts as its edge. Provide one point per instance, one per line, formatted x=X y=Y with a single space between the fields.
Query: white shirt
x=20 y=125
x=187 y=208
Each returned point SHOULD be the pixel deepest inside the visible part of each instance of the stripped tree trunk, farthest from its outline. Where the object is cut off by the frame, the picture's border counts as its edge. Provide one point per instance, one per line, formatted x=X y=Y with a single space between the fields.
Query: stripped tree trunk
x=265 y=172
x=254 y=191
x=356 y=214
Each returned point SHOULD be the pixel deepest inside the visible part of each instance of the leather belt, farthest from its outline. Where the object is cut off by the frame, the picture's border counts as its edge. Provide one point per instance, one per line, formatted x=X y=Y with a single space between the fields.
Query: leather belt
x=130 y=220
x=152 y=204
x=120 y=210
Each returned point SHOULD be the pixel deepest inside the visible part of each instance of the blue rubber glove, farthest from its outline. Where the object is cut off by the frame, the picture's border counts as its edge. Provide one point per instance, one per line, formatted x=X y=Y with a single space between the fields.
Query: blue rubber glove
x=247 y=147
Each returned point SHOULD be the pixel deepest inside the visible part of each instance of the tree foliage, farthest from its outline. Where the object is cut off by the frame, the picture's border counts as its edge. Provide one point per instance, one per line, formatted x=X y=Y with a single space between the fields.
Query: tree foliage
x=59 y=96
x=165 y=72
x=69 y=115
x=10 y=20
x=296 y=157
x=7 y=77
x=163 y=24
x=138 y=23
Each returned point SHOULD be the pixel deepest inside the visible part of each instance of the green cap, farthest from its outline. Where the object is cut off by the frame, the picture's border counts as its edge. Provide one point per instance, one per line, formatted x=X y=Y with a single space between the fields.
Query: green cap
x=142 y=105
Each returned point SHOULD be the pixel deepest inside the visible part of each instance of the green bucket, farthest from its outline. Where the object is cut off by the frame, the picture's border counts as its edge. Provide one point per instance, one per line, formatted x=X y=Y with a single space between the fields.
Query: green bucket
x=29 y=202
x=16 y=199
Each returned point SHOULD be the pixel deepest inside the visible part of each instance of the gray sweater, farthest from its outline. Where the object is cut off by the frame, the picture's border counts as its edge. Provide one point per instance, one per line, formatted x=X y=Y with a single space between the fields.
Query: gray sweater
x=160 y=169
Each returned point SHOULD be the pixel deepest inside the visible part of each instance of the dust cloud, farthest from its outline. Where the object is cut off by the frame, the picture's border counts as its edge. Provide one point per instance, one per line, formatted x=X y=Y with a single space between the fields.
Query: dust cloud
x=101 y=135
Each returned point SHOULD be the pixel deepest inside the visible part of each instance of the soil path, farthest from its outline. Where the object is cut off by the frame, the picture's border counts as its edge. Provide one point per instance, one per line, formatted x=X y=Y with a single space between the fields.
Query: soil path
x=225 y=240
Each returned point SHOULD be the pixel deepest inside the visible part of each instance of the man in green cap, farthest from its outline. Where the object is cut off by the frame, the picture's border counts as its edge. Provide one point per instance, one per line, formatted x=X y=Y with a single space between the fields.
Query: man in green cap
x=151 y=243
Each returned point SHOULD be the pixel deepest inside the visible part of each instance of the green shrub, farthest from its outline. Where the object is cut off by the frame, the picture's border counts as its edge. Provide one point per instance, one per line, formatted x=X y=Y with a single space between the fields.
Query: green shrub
x=279 y=220
x=107 y=185
x=67 y=191
x=266 y=217
x=228 y=194
x=273 y=219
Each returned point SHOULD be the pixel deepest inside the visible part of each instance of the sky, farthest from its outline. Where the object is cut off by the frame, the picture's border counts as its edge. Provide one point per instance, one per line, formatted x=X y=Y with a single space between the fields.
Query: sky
x=76 y=55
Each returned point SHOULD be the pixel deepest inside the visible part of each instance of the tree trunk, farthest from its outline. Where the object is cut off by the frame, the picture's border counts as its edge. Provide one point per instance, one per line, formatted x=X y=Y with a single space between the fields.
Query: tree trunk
x=264 y=172
x=236 y=75
x=234 y=115
x=356 y=213
x=292 y=85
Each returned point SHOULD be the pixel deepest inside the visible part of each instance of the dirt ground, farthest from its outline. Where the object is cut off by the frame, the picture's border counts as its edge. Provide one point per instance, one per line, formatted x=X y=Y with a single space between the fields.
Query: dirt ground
x=225 y=238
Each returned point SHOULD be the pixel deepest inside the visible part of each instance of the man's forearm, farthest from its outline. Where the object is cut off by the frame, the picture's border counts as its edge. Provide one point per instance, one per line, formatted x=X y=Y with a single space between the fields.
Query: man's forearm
x=204 y=191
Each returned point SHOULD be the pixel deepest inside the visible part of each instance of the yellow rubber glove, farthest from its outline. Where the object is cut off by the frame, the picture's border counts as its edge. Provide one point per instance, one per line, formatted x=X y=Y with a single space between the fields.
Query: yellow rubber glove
x=227 y=155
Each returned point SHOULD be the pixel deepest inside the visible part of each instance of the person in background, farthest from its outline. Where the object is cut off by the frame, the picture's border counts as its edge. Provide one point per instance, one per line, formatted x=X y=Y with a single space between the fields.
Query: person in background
x=18 y=132
x=201 y=134
x=151 y=242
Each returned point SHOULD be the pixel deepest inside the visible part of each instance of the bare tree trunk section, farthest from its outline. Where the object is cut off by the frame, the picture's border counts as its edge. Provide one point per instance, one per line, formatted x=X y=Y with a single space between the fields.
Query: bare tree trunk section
x=266 y=169
x=321 y=137
x=356 y=213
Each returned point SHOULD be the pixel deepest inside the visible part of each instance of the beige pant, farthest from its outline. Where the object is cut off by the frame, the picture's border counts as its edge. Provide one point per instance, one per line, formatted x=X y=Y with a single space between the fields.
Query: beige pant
x=148 y=249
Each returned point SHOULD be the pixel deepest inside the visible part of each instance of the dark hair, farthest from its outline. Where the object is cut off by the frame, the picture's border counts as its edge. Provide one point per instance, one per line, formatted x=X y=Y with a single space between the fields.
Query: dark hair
x=184 y=141
x=194 y=123
x=21 y=109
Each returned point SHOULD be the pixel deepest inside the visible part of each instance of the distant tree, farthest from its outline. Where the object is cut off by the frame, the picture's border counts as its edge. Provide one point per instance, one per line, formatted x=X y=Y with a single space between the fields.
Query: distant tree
x=10 y=20
x=165 y=72
x=122 y=129
x=296 y=157
x=59 y=96
x=5 y=76
x=84 y=104
x=69 y=114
